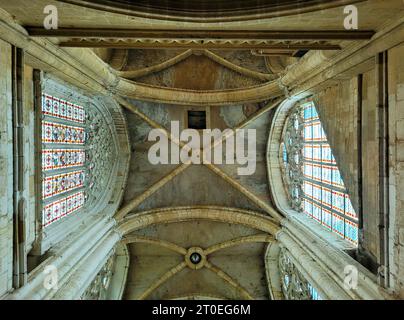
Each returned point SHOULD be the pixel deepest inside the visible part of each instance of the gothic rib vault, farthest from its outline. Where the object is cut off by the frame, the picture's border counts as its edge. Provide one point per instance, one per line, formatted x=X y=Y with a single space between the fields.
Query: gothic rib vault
x=156 y=218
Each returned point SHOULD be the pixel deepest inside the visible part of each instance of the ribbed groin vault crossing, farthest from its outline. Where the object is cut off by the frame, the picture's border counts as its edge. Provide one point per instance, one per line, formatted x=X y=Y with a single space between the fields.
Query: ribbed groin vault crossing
x=235 y=150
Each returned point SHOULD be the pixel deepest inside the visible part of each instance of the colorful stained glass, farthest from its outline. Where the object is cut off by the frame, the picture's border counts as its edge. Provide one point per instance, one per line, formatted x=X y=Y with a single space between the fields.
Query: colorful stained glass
x=316 y=192
x=294 y=284
x=326 y=174
x=308 y=152
x=337 y=179
x=284 y=153
x=338 y=224
x=308 y=207
x=349 y=210
x=308 y=189
x=59 y=133
x=61 y=208
x=314 y=293
x=62 y=109
x=307 y=113
x=326 y=154
x=62 y=158
x=317 y=131
x=317 y=172
x=62 y=183
x=53 y=159
x=338 y=201
x=351 y=231
x=308 y=132
x=324 y=195
x=308 y=170
x=47 y=104
x=316 y=212
x=316 y=155
x=326 y=218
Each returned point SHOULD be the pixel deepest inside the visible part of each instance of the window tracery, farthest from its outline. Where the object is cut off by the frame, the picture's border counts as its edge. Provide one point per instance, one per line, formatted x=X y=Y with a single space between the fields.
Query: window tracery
x=98 y=288
x=77 y=157
x=294 y=285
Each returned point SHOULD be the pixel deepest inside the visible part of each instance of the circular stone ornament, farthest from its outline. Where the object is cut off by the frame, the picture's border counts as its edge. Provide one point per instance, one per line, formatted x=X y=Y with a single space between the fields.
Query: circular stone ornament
x=195 y=258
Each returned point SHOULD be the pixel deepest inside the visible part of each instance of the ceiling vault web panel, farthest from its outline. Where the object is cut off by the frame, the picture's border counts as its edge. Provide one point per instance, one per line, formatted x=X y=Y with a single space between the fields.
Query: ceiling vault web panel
x=203 y=254
x=223 y=254
x=210 y=10
x=134 y=74
x=134 y=203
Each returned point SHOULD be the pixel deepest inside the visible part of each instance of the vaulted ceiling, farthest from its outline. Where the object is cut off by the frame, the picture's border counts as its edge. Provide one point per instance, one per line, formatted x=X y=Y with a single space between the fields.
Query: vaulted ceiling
x=210 y=10
x=156 y=270
x=156 y=251
x=174 y=55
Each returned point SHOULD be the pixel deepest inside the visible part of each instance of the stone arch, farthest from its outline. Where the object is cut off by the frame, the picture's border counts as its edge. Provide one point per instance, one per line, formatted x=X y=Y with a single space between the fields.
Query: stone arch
x=178 y=214
x=275 y=173
x=110 y=175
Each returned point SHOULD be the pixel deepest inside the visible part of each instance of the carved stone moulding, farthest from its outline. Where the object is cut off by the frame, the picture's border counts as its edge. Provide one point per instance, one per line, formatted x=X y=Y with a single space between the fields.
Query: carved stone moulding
x=161 y=43
x=210 y=10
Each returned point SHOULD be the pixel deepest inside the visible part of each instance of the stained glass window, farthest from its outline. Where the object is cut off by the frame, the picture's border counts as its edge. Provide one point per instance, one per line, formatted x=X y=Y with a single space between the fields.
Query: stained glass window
x=62 y=183
x=98 y=289
x=62 y=134
x=63 y=158
x=321 y=193
x=294 y=285
x=63 y=207
x=53 y=159
x=59 y=108
x=79 y=152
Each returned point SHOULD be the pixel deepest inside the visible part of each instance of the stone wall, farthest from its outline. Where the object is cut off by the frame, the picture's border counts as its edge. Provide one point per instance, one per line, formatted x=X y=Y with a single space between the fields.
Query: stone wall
x=370 y=165
x=396 y=160
x=338 y=109
x=32 y=241
x=27 y=196
x=6 y=170
x=29 y=165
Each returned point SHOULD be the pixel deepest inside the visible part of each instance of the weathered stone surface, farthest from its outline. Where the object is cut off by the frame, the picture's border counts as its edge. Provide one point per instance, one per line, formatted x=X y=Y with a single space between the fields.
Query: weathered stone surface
x=236 y=272
x=6 y=170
